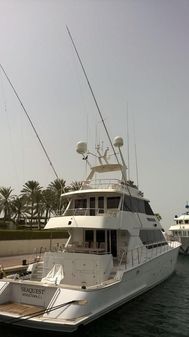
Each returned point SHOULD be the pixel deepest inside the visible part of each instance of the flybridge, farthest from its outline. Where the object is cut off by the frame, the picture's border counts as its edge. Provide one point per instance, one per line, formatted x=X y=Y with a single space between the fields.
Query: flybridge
x=105 y=166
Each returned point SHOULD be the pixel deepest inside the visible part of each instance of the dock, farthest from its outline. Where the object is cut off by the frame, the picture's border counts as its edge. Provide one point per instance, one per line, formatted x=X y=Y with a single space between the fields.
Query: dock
x=16 y=264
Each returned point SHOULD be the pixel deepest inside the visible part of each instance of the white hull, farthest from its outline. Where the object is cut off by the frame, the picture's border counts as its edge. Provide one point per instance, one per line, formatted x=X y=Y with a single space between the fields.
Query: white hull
x=115 y=251
x=184 y=249
x=98 y=300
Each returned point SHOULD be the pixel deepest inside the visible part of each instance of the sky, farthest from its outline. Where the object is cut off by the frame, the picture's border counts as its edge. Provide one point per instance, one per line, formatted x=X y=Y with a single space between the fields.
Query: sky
x=136 y=55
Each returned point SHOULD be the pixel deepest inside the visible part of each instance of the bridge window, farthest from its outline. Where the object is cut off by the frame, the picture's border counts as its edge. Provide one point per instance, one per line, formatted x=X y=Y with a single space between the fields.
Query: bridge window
x=101 y=204
x=148 y=209
x=113 y=202
x=131 y=204
x=152 y=238
x=81 y=203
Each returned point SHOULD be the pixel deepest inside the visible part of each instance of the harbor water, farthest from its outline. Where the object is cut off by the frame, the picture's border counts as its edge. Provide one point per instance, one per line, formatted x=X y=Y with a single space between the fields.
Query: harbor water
x=161 y=312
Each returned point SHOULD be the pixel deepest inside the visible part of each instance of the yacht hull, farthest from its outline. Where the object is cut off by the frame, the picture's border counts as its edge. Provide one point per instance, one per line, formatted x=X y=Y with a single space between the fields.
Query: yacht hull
x=74 y=307
x=184 y=248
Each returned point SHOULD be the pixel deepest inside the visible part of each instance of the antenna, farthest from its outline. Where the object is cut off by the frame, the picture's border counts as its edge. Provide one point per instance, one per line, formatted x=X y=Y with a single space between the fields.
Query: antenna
x=118 y=142
x=31 y=123
x=92 y=92
x=128 y=154
x=136 y=163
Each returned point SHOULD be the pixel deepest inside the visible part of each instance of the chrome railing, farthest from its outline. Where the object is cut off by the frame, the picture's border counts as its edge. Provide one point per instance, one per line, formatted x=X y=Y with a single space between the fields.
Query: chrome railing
x=103 y=183
x=138 y=255
x=90 y=211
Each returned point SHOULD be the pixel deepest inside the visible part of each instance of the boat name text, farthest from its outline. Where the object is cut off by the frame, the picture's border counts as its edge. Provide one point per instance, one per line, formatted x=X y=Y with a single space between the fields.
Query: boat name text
x=32 y=292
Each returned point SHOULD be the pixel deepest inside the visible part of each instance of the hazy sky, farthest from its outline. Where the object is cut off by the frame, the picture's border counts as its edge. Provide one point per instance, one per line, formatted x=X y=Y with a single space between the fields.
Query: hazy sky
x=135 y=52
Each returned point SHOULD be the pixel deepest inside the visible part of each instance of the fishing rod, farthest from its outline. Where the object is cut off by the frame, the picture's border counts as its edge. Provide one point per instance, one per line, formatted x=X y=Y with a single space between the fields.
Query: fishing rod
x=100 y=113
x=36 y=133
x=92 y=92
x=30 y=121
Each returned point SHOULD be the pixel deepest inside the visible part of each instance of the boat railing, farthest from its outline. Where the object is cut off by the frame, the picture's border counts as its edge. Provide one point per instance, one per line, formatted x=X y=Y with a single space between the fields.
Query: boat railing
x=86 y=248
x=90 y=211
x=54 y=298
x=138 y=255
x=103 y=184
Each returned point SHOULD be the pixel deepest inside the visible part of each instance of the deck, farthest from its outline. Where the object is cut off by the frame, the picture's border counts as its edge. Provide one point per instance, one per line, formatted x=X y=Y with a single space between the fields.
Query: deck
x=20 y=309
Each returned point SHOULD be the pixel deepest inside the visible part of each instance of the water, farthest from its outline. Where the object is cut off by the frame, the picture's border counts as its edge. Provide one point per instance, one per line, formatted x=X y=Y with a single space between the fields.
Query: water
x=162 y=312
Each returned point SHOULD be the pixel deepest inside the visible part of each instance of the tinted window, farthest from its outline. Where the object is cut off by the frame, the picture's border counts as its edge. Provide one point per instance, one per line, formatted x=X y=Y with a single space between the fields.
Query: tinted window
x=148 y=209
x=113 y=202
x=151 y=236
x=100 y=236
x=127 y=204
x=89 y=235
x=133 y=204
x=81 y=203
x=101 y=202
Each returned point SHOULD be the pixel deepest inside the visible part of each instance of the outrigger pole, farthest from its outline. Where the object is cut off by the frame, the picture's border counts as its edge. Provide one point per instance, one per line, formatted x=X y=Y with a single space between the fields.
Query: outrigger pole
x=31 y=123
x=92 y=92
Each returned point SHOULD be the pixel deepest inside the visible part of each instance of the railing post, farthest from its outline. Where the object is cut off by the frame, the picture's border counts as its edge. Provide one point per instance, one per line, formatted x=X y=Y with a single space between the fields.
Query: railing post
x=138 y=254
x=132 y=257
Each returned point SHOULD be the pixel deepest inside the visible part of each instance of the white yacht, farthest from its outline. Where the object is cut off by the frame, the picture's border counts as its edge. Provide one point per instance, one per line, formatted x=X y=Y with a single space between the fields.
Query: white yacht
x=180 y=230
x=115 y=251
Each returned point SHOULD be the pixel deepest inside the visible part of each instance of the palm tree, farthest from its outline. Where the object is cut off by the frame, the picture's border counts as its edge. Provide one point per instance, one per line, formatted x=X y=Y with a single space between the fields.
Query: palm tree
x=19 y=208
x=48 y=201
x=6 y=202
x=75 y=185
x=39 y=207
x=30 y=191
x=57 y=188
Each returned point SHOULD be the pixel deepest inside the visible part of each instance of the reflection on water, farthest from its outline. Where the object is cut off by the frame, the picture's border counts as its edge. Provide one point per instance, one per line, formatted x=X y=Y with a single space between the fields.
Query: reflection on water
x=162 y=312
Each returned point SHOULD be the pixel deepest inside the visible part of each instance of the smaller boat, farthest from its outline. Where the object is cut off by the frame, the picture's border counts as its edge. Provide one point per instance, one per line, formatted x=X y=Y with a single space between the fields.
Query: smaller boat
x=180 y=230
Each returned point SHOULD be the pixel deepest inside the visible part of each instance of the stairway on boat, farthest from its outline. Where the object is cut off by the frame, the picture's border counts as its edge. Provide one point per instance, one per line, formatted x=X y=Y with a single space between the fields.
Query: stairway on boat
x=37 y=272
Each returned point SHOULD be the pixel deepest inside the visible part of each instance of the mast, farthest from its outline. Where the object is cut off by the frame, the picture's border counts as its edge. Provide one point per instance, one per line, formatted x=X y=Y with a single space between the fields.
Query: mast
x=92 y=93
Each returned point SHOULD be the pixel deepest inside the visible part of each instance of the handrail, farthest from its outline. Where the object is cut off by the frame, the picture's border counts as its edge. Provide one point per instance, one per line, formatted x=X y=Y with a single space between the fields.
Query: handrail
x=103 y=183
x=4 y=287
x=91 y=211
x=136 y=256
x=54 y=298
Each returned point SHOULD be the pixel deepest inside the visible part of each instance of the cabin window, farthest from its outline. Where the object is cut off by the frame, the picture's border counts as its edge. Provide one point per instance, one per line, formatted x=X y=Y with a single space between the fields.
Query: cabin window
x=100 y=237
x=131 y=204
x=101 y=204
x=152 y=238
x=141 y=208
x=127 y=204
x=186 y=221
x=92 y=206
x=89 y=237
x=148 y=209
x=138 y=205
x=113 y=202
x=81 y=203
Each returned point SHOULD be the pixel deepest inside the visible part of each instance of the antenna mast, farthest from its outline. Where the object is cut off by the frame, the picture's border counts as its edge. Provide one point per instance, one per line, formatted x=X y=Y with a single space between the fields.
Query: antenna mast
x=136 y=162
x=32 y=125
x=93 y=95
x=128 y=145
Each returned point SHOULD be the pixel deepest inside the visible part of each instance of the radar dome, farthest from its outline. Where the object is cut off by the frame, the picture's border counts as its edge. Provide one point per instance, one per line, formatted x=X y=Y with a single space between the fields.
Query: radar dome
x=81 y=147
x=118 y=141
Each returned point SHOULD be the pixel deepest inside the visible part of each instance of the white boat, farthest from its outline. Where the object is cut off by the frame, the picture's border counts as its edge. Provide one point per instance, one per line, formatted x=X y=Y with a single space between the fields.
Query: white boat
x=180 y=231
x=115 y=252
